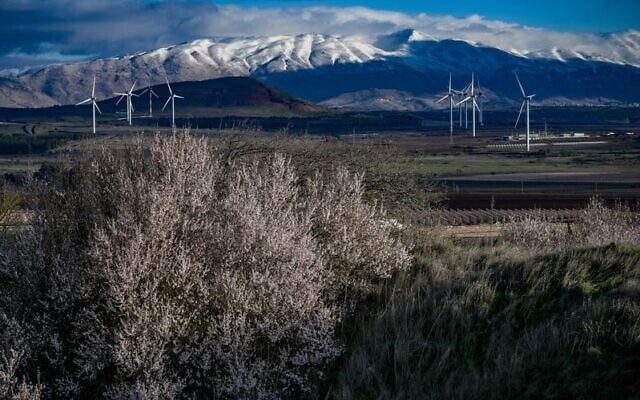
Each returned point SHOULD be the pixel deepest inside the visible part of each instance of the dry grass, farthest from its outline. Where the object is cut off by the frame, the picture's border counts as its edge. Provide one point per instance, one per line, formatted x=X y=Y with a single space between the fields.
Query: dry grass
x=500 y=323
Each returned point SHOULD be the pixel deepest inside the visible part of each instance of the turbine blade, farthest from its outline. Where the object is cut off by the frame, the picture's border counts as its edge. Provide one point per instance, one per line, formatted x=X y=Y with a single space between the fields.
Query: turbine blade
x=520 y=84
x=153 y=93
x=122 y=96
x=144 y=91
x=463 y=101
x=449 y=82
x=96 y=106
x=84 y=102
x=475 y=104
x=442 y=99
x=133 y=86
x=178 y=97
x=165 y=104
x=473 y=78
x=93 y=89
x=519 y=114
x=169 y=86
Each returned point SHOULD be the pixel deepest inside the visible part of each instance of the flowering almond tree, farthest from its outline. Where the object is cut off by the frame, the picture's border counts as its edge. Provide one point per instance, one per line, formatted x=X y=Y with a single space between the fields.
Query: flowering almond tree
x=160 y=273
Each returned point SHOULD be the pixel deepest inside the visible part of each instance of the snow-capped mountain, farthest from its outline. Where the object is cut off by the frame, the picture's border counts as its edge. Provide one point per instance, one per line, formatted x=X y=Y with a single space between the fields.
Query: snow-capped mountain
x=197 y=60
x=323 y=67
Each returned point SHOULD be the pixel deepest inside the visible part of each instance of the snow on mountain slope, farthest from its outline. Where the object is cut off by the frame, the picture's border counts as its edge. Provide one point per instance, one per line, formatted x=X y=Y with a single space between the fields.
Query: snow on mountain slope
x=395 y=58
x=246 y=56
x=619 y=47
x=197 y=60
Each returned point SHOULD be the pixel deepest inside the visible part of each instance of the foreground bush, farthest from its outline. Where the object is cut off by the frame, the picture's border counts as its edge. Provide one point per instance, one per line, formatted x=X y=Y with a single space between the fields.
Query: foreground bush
x=595 y=225
x=499 y=323
x=173 y=274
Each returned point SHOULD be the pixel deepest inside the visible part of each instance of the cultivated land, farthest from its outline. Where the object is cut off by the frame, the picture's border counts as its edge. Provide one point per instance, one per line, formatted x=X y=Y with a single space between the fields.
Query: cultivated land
x=472 y=172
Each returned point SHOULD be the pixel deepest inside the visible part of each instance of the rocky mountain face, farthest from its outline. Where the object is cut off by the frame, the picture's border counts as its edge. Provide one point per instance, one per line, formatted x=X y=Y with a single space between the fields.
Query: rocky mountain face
x=403 y=71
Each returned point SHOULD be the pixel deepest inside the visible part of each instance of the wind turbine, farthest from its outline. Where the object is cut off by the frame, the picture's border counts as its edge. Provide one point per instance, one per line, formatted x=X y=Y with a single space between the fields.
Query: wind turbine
x=466 y=113
x=128 y=95
x=151 y=94
x=474 y=103
x=465 y=93
x=460 y=108
x=480 y=95
x=94 y=103
x=525 y=101
x=450 y=94
x=172 y=97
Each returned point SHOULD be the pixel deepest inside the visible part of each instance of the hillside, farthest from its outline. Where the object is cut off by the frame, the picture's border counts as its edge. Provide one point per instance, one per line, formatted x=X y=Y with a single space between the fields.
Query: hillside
x=225 y=93
x=235 y=94
x=324 y=67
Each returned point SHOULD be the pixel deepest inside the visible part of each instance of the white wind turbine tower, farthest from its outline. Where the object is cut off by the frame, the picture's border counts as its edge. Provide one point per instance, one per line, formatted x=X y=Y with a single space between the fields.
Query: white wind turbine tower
x=525 y=101
x=94 y=103
x=172 y=97
x=466 y=112
x=128 y=95
x=450 y=94
x=463 y=94
x=480 y=95
x=474 y=103
x=149 y=89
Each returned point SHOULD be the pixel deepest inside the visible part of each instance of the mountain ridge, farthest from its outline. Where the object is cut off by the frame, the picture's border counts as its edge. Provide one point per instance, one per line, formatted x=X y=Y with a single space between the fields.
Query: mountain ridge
x=280 y=60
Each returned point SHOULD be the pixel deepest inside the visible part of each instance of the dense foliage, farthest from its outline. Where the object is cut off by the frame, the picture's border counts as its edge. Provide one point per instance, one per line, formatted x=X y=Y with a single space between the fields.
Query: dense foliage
x=178 y=273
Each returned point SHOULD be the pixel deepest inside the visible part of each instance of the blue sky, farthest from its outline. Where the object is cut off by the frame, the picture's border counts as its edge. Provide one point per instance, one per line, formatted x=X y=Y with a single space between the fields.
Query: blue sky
x=41 y=32
x=575 y=15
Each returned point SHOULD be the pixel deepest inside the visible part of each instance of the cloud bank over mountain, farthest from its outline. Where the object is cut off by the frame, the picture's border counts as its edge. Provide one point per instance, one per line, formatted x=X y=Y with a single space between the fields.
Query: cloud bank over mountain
x=59 y=31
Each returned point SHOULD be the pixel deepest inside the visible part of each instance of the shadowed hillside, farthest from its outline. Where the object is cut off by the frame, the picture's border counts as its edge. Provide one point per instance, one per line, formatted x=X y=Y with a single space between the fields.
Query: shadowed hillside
x=232 y=93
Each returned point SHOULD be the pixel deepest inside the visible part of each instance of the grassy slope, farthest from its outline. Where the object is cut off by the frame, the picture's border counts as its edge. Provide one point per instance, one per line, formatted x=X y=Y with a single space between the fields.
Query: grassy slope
x=491 y=322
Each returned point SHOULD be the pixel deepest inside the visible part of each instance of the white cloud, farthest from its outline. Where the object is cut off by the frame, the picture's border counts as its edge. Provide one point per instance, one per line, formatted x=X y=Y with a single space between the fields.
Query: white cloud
x=84 y=28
